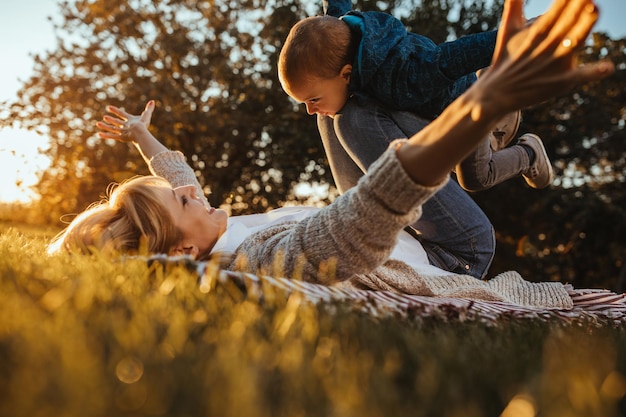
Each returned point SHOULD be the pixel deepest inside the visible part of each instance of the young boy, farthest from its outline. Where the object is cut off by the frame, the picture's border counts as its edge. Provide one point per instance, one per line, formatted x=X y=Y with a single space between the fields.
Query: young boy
x=327 y=59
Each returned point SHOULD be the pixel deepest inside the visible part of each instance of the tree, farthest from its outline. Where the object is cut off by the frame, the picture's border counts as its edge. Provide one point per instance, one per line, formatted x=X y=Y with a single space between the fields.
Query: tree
x=211 y=66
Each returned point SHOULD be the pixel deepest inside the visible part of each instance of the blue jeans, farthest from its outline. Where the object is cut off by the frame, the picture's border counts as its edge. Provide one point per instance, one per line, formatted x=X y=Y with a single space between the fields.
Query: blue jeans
x=454 y=231
x=483 y=168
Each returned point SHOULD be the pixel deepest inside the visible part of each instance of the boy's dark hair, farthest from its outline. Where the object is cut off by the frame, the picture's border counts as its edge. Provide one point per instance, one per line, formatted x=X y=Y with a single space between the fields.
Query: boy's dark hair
x=317 y=46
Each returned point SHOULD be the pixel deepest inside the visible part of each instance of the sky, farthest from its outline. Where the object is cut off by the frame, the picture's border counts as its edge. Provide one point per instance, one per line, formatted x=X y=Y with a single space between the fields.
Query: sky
x=25 y=30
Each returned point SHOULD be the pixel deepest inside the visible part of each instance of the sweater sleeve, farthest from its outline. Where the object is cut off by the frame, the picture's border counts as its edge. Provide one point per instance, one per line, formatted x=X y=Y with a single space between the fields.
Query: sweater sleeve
x=353 y=235
x=409 y=71
x=336 y=8
x=172 y=166
x=431 y=69
x=467 y=54
x=434 y=76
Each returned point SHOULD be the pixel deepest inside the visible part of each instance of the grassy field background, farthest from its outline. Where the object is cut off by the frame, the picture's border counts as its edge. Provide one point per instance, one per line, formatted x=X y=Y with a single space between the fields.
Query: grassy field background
x=84 y=336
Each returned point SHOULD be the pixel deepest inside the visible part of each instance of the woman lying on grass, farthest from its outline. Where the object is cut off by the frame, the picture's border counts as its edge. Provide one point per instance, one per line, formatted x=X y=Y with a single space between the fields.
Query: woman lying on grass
x=357 y=240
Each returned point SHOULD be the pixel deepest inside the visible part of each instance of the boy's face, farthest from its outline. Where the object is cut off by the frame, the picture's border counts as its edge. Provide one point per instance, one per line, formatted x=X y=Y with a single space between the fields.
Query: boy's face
x=324 y=96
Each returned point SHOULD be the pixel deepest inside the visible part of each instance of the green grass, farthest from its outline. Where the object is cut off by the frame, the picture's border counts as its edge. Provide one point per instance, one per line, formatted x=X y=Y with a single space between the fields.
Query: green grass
x=83 y=336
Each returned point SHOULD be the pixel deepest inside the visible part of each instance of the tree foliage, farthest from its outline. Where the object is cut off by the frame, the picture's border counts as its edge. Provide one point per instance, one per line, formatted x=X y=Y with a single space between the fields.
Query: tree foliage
x=211 y=66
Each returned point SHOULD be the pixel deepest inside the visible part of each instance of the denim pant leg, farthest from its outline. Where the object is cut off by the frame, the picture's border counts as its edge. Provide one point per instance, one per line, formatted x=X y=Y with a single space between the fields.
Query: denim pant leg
x=454 y=231
x=344 y=169
x=483 y=168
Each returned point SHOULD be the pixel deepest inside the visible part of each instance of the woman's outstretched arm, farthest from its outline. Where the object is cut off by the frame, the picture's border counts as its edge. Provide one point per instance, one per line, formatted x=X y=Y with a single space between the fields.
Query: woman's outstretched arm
x=359 y=230
x=531 y=63
x=125 y=127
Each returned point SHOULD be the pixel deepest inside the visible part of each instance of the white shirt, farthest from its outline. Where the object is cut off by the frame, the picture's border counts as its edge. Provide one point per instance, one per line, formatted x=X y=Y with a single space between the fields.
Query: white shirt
x=407 y=249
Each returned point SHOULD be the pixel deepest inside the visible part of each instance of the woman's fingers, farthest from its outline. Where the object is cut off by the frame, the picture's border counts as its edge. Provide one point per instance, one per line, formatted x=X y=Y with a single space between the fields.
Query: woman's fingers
x=146 y=116
x=566 y=25
x=575 y=36
x=118 y=124
x=593 y=72
x=569 y=32
x=114 y=121
x=105 y=135
x=118 y=112
x=512 y=21
x=109 y=127
x=539 y=61
x=109 y=131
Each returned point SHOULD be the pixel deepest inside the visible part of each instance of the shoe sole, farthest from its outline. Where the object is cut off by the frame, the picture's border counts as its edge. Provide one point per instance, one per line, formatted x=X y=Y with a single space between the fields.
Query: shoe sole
x=546 y=158
x=509 y=134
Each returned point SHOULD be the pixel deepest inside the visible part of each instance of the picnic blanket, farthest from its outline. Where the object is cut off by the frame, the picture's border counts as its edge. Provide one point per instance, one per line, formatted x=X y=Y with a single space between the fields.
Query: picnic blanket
x=595 y=306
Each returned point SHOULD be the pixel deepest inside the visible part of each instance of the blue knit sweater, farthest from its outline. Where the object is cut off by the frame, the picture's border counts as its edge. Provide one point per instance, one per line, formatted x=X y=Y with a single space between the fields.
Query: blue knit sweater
x=408 y=71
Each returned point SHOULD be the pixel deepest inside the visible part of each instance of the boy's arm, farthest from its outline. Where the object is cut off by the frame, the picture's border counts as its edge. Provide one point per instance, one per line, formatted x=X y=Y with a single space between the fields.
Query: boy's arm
x=336 y=8
x=467 y=54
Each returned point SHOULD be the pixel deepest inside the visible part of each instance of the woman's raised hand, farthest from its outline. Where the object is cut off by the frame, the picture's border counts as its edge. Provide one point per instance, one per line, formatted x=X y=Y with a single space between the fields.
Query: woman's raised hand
x=123 y=126
x=126 y=127
x=535 y=62
x=531 y=63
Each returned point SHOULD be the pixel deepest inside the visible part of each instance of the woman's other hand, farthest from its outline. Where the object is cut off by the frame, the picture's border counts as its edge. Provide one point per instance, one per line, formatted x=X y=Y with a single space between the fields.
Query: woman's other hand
x=531 y=63
x=123 y=126
x=126 y=127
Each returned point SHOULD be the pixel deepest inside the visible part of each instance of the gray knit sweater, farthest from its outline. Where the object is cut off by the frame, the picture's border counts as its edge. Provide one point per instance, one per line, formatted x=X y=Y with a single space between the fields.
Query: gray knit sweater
x=348 y=243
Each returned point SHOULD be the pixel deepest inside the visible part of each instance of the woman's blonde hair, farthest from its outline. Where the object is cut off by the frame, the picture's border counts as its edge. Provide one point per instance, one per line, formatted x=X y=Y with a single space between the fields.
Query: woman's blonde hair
x=129 y=221
x=317 y=46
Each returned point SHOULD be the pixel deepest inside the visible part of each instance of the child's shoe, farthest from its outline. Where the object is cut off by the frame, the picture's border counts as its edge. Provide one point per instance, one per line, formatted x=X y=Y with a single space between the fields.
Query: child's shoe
x=540 y=173
x=505 y=130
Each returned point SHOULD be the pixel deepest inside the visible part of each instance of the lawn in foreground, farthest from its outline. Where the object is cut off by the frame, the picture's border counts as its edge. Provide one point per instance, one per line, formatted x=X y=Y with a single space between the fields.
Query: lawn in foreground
x=84 y=336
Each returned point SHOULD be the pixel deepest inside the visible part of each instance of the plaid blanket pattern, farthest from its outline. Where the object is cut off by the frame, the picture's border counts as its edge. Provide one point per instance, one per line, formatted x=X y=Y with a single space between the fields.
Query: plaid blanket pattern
x=591 y=306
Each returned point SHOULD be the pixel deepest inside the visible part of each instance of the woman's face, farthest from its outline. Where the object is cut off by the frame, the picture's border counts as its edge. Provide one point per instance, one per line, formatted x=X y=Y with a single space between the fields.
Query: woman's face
x=200 y=224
